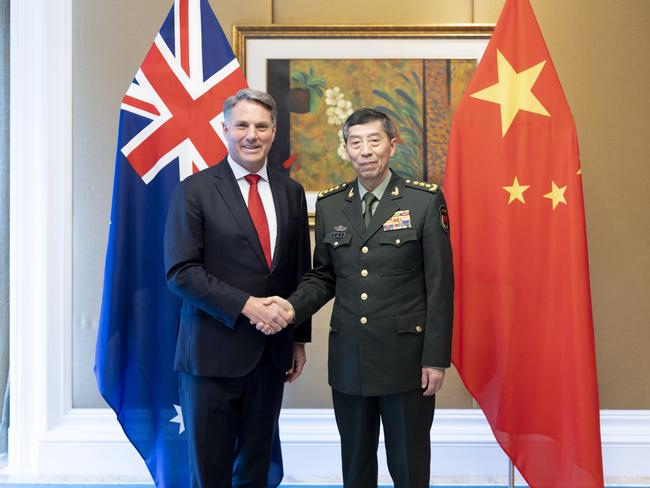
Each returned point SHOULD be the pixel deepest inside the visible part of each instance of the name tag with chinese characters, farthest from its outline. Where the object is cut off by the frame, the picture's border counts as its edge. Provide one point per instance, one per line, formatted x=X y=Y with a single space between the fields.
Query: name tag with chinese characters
x=400 y=220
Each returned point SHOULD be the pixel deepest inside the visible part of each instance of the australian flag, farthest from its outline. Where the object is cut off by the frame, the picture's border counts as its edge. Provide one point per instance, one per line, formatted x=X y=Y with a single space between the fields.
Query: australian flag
x=170 y=127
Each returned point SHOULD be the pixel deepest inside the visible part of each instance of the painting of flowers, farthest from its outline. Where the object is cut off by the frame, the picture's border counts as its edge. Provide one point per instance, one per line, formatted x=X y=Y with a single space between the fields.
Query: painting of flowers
x=315 y=96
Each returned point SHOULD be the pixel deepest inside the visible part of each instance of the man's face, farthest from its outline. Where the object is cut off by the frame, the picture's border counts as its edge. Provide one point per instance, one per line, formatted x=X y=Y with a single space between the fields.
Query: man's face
x=369 y=150
x=249 y=134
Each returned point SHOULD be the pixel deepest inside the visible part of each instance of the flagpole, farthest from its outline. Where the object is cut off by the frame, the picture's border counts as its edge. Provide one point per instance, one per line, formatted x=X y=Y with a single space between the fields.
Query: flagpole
x=511 y=474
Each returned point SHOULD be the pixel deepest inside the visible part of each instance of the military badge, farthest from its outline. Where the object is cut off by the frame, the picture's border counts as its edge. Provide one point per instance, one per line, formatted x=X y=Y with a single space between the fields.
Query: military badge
x=444 y=218
x=340 y=228
x=400 y=220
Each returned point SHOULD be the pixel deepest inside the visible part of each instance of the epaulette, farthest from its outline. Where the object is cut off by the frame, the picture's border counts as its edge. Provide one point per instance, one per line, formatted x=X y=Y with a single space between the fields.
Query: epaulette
x=332 y=191
x=421 y=185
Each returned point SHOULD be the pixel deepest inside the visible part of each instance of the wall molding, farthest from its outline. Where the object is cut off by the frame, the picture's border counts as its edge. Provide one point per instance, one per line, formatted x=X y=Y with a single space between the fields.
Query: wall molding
x=40 y=223
x=89 y=445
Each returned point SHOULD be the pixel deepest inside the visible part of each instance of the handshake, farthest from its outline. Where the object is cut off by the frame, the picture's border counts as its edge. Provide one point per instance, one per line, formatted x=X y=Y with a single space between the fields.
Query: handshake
x=269 y=315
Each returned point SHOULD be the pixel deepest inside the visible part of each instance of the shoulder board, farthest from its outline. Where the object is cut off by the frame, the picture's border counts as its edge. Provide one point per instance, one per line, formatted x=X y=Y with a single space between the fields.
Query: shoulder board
x=332 y=191
x=421 y=185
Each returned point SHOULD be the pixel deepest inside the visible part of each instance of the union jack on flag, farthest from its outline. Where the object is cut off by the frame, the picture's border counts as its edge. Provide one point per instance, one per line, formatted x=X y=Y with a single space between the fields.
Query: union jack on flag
x=180 y=89
x=170 y=127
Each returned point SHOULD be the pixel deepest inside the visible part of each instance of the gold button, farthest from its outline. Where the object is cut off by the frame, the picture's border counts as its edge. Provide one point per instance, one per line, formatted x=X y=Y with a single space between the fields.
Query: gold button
x=364 y=249
x=363 y=320
x=397 y=241
x=364 y=272
x=336 y=243
x=418 y=328
x=364 y=296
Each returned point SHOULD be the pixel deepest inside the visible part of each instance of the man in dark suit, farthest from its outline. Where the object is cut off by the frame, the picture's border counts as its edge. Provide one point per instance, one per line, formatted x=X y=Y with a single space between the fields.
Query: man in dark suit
x=383 y=251
x=236 y=231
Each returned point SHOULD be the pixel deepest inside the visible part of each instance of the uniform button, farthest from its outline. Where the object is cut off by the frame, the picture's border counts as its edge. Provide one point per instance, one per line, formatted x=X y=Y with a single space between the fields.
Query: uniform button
x=364 y=296
x=364 y=272
x=336 y=243
x=397 y=241
x=418 y=328
x=364 y=249
x=363 y=320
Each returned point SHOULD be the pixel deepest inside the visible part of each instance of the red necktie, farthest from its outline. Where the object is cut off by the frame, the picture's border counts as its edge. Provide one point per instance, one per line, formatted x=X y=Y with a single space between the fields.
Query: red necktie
x=256 y=210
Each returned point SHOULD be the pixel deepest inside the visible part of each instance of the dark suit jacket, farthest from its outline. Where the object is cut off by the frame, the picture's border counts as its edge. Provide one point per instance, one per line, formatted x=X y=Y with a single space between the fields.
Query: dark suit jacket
x=393 y=286
x=214 y=262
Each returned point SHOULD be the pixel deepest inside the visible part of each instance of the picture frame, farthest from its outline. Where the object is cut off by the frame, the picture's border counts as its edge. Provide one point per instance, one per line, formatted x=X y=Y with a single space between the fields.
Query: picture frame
x=319 y=73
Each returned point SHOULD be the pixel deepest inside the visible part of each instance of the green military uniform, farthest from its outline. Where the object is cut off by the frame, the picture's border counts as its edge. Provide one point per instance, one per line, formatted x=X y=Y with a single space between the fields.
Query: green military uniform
x=393 y=284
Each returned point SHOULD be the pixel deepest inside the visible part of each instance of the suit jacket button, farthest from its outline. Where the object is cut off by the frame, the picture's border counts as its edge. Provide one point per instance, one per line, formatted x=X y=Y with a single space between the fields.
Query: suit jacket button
x=418 y=328
x=364 y=249
x=364 y=296
x=363 y=320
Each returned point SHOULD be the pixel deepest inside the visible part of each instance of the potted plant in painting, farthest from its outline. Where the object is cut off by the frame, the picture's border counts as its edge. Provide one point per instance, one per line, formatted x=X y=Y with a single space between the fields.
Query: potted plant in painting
x=305 y=92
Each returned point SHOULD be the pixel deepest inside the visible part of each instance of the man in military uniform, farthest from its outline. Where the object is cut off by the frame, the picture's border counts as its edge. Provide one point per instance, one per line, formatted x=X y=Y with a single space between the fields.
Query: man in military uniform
x=383 y=251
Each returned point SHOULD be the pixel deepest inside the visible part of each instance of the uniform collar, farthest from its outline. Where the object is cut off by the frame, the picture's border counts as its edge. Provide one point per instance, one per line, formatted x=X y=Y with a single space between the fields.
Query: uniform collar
x=379 y=191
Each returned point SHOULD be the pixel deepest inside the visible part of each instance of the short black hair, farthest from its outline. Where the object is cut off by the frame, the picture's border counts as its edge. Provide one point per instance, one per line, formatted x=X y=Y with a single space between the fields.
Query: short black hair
x=366 y=115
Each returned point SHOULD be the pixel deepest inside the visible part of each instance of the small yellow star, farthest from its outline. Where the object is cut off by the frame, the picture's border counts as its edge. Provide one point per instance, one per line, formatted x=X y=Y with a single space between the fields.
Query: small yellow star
x=516 y=191
x=556 y=194
x=513 y=92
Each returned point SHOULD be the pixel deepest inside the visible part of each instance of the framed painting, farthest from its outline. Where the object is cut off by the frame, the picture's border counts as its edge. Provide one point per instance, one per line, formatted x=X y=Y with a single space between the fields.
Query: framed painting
x=319 y=74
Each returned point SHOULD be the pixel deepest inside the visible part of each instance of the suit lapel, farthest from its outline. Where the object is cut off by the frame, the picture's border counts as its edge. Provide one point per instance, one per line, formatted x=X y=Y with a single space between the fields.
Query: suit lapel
x=231 y=194
x=281 y=214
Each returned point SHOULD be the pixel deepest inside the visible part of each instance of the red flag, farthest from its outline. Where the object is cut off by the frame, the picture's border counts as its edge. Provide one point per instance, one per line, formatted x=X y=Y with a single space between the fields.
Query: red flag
x=523 y=336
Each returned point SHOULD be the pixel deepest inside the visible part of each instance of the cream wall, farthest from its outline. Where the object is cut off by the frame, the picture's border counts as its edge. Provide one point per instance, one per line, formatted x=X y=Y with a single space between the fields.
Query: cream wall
x=600 y=52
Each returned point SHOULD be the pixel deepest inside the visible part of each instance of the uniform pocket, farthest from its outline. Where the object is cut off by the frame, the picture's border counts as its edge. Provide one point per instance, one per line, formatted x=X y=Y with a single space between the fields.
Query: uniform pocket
x=413 y=323
x=400 y=251
x=338 y=244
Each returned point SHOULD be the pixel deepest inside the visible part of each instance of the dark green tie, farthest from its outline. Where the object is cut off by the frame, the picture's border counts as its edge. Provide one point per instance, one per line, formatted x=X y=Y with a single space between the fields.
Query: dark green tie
x=368 y=198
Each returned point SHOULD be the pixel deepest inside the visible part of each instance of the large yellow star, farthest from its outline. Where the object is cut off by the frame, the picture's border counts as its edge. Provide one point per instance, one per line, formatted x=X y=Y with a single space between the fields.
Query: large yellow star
x=513 y=92
x=556 y=194
x=516 y=191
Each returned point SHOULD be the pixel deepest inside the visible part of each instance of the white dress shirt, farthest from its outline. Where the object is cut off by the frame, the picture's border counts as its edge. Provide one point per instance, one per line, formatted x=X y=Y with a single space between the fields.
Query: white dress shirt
x=264 y=189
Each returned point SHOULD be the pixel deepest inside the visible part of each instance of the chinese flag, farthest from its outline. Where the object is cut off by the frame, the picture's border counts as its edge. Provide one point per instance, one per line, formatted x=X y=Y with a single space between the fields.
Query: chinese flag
x=523 y=335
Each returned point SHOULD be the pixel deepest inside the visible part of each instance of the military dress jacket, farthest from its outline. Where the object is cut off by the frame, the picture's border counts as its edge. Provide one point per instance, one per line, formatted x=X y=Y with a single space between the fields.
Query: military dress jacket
x=392 y=283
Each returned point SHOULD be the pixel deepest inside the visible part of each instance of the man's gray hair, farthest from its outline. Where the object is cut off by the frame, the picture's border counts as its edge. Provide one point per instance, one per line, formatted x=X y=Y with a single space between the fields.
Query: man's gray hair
x=251 y=95
x=366 y=115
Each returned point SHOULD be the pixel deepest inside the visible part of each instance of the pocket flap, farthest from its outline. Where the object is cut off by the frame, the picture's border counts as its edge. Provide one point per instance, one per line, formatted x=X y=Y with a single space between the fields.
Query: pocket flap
x=337 y=239
x=413 y=323
x=398 y=237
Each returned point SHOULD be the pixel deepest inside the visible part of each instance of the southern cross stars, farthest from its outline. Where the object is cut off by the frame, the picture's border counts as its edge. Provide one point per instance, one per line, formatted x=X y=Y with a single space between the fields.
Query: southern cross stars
x=178 y=419
x=513 y=92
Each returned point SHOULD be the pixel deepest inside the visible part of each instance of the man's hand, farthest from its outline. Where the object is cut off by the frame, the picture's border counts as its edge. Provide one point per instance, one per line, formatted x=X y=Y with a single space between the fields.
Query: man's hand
x=285 y=304
x=274 y=317
x=280 y=302
x=299 y=360
x=432 y=379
